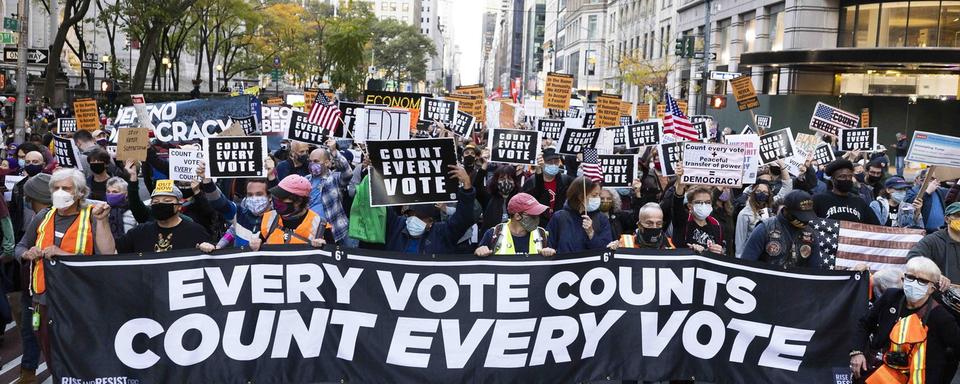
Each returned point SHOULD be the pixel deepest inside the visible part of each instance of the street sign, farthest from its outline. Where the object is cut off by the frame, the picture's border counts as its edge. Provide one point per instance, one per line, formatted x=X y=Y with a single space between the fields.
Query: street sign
x=723 y=76
x=91 y=65
x=34 y=55
x=276 y=62
x=91 y=56
x=699 y=55
x=8 y=37
x=11 y=24
x=275 y=75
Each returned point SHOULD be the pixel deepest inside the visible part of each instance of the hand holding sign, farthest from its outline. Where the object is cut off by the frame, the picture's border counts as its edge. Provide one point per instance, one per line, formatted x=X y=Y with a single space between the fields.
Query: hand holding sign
x=459 y=172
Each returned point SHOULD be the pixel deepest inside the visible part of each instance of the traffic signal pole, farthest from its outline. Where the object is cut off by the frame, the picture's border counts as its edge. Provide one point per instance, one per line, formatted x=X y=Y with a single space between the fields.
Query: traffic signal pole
x=707 y=31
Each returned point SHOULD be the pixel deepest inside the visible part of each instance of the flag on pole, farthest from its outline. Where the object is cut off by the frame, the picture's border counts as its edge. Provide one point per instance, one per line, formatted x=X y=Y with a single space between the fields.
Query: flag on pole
x=847 y=244
x=676 y=123
x=324 y=112
x=591 y=165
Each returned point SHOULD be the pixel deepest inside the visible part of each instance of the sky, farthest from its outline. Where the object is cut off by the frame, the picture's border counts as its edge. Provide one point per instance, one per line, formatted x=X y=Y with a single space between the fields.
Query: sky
x=468 y=32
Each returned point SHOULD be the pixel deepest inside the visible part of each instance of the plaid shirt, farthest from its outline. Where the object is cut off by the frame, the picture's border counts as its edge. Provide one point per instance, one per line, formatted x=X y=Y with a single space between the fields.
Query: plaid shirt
x=325 y=198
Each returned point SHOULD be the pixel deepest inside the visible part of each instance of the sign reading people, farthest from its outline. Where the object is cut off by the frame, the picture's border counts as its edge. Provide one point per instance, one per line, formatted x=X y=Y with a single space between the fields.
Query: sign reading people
x=184 y=164
x=618 y=170
x=406 y=172
x=713 y=164
x=643 y=134
x=234 y=157
x=670 y=155
x=858 y=139
x=574 y=140
x=557 y=92
x=301 y=129
x=87 y=114
x=440 y=110
x=65 y=152
x=608 y=110
x=934 y=149
x=550 y=129
x=514 y=146
x=66 y=125
x=775 y=146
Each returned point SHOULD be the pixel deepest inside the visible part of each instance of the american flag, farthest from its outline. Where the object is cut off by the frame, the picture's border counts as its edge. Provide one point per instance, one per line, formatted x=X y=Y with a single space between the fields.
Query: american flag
x=324 y=113
x=846 y=244
x=591 y=165
x=676 y=123
x=831 y=120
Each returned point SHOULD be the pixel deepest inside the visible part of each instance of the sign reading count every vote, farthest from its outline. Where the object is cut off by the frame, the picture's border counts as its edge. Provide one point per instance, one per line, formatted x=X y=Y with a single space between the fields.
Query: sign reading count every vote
x=412 y=172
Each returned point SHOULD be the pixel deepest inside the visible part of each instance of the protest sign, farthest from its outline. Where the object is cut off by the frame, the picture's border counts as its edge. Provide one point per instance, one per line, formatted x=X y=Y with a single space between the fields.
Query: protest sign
x=713 y=164
x=514 y=146
x=438 y=110
x=381 y=123
x=550 y=129
x=140 y=106
x=184 y=164
x=507 y=115
x=864 y=117
x=275 y=101
x=247 y=124
x=643 y=134
x=703 y=131
x=776 y=145
x=763 y=122
x=662 y=108
x=309 y=94
x=409 y=101
x=87 y=114
x=747 y=130
x=830 y=120
x=803 y=145
x=234 y=157
x=643 y=111
x=626 y=120
x=608 y=110
x=65 y=152
x=858 y=139
x=66 y=125
x=406 y=172
x=132 y=144
x=349 y=116
x=275 y=120
x=751 y=157
x=590 y=120
x=479 y=96
x=574 y=111
x=179 y=121
x=934 y=149
x=823 y=154
x=670 y=155
x=619 y=135
x=464 y=124
x=234 y=130
x=626 y=108
x=470 y=104
x=302 y=130
x=744 y=92
x=574 y=140
x=618 y=170
x=557 y=92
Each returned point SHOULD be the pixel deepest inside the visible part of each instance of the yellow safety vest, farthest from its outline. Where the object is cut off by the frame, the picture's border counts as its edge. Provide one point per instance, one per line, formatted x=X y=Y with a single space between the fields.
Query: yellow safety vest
x=504 y=240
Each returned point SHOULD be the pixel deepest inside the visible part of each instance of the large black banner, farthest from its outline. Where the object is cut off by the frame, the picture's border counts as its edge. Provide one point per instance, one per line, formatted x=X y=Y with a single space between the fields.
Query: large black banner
x=178 y=121
x=412 y=171
x=311 y=315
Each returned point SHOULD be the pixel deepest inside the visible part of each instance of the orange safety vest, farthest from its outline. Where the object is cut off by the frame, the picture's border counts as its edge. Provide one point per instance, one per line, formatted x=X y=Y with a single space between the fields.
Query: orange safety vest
x=908 y=339
x=630 y=241
x=273 y=231
x=78 y=239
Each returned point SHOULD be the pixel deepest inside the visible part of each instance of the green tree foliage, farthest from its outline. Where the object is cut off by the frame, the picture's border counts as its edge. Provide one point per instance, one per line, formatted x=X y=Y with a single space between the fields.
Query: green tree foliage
x=401 y=51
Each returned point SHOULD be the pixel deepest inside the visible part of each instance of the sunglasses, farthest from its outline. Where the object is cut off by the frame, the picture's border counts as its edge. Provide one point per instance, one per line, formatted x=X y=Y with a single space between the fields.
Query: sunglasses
x=910 y=278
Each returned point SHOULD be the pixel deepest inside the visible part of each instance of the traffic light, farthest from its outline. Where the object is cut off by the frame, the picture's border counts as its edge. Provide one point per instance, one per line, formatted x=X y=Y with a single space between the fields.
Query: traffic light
x=717 y=101
x=681 y=47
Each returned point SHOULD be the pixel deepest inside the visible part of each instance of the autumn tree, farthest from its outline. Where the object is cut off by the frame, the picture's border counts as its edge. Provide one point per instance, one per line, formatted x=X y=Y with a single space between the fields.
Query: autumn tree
x=401 y=51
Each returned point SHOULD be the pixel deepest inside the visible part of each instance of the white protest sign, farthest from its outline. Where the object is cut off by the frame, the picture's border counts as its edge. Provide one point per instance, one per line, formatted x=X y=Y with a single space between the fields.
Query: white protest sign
x=803 y=145
x=184 y=164
x=381 y=123
x=751 y=156
x=712 y=164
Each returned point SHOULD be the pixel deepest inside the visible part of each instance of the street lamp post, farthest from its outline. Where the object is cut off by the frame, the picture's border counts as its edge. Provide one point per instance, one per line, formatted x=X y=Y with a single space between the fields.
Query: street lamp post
x=220 y=76
x=165 y=62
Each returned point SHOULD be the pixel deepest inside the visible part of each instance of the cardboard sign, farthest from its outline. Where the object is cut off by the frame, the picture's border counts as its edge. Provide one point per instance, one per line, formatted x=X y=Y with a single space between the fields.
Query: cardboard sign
x=381 y=123
x=864 y=117
x=477 y=93
x=277 y=101
x=934 y=149
x=608 y=110
x=590 y=120
x=574 y=140
x=65 y=152
x=433 y=109
x=854 y=139
x=713 y=164
x=744 y=93
x=803 y=145
x=66 y=125
x=464 y=124
x=670 y=155
x=247 y=124
x=184 y=164
x=618 y=170
x=87 y=114
x=823 y=155
x=644 y=134
x=507 y=115
x=140 y=106
x=643 y=111
x=830 y=120
x=470 y=104
x=234 y=157
x=625 y=108
x=514 y=146
x=406 y=172
x=557 y=92
x=751 y=155
x=234 y=130
x=550 y=129
x=302 y=130
x=763 y=122
x=132 y=144
x=776 y=145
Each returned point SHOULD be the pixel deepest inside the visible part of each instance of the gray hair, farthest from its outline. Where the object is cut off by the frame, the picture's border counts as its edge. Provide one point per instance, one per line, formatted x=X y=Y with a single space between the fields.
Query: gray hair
x=617 y=202
x=118 y=182
x=649 y=207
x=926 y=266
x=887 y=278
x=76 y=177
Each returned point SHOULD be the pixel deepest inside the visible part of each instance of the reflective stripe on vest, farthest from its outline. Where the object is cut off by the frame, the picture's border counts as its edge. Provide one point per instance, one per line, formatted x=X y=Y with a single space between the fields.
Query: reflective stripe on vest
x=628 y=241
x=277 y=235
x=78 y=239
x=504 y=242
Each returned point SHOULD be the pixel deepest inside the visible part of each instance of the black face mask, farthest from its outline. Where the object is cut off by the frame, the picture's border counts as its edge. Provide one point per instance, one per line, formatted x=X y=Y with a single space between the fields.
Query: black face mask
x=775 y=170
x=859 y=177
x=33 y=169
x=163 y=211
x=844 y=186
x=468 y=161
x=303 y=159
x=872 y=179
x=98 y=167
x=650 y=235
x=186 y=192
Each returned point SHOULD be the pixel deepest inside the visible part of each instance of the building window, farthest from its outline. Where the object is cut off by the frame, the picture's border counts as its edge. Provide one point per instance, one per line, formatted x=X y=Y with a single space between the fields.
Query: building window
x=723 y=39
x=592 y=27
x=776 y=27
x=893 y=24
x=748 y=32
x=867 y=18
x=950 y=24
x=591 y=65
x=848 y=19
x=922 y=29
x=573 y=63
x=405 y=7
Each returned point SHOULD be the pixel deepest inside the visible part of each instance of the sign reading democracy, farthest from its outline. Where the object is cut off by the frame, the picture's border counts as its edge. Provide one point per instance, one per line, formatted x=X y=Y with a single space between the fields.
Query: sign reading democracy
x=574 y=140
x=712 y=164
x=618 y=170
x=233 y=157
x=406 y=172
x=514 y=146
x=179 y=121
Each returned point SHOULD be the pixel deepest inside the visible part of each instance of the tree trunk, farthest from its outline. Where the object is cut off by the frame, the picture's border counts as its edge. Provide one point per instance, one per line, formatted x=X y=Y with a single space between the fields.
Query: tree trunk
x=53 y=65
x=147 y=49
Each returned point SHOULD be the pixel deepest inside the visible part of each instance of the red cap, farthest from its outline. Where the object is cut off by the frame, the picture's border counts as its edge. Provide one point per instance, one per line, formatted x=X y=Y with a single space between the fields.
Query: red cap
x=524 y=203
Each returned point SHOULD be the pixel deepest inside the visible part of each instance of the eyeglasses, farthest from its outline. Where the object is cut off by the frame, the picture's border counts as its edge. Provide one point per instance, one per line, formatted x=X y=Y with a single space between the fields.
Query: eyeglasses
x=911 y=277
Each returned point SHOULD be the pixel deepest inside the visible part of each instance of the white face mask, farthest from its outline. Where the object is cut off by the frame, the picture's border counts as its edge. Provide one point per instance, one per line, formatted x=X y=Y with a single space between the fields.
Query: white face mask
x=914 y=291
x=450 y=210
x=62 y=199
x=415 y=226
x=701 y=211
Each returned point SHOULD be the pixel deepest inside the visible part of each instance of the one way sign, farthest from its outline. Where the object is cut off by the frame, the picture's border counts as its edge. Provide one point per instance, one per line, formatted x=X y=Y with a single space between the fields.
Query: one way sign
x=34 y=55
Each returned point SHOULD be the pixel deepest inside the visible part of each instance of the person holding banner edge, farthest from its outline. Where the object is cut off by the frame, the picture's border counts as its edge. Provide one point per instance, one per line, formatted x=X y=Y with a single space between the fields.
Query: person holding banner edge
x=291 y=221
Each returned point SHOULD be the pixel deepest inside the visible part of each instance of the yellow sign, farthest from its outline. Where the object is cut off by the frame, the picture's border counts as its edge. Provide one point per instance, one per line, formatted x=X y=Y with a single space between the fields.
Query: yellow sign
x=165 y=185
x=87 y=114
x=625 y=107
x=744 y=93
x=468 y=104
x=608 y=111
x=476 y=90
x=865 y=118
x=275 y=101
x=557 y=94
x=643 y=111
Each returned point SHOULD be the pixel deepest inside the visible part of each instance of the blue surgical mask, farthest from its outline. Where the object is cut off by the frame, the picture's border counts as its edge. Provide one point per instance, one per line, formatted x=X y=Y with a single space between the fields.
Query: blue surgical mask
x=22 y=163
x=450 y=210
x=593 y=204
x=898 y=196
x=914 y=291
x=255 y=204
x=551 y=169
x=415 y=226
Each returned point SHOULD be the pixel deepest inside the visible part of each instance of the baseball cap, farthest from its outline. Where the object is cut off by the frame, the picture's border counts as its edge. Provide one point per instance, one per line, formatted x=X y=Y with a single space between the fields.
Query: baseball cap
x=953 y=208
x=524 y=203
x=800 y=205
x=166 y=188
x=896 y=182
x=550 y=154
x=292 y=185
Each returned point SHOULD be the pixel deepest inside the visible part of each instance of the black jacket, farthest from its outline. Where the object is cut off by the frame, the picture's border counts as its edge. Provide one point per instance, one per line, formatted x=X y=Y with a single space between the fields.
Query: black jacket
x=534 y=187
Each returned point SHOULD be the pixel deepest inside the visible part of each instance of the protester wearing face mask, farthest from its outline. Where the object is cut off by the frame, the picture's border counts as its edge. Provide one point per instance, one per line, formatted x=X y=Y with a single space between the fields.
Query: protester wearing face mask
x=932 y=200
x=907 y=334
x=494 y=198
x=549 y=185
x=298 y=163
x=20 y=212
x=693 y=227
x=887 y=206
x=121 y=219
x=421 y=232
x=579 y=226
x=943 y=246
x=757 y=209
x=521 y=234
x=167 y=231
x=611 y=206
x=839 y=203
x=98 y=159
x=329 y=173
x=787 y=239
x=291 y=221
x=875 y=177
x=256 y=201
x=37 y=194
x=649 y=233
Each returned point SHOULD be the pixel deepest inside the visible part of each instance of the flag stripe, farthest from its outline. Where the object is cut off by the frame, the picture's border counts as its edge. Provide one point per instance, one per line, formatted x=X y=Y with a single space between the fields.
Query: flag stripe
x=876 y=243
x=872 y=256
x=873 y=266
x=849 y=225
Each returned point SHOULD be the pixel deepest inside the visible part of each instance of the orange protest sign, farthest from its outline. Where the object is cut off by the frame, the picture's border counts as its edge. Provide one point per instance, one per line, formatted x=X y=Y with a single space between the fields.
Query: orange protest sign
x=87 y=114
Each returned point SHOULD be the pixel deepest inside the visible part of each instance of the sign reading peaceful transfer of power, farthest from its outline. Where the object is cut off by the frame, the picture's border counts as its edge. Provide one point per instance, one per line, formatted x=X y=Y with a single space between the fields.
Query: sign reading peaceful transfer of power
x=712 y=164
x=412 y=171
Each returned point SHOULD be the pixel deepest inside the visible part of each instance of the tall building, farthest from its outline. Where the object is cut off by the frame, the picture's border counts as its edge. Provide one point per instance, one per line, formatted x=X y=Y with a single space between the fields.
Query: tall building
x=533 y=23
x=433 y=29
x=489 y=30
x=507 y=48
x=575 y=33
x=407 y=11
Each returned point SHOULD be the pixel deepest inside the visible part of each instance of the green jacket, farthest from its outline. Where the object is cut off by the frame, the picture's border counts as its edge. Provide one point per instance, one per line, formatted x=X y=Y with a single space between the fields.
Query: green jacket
x=367 y=224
